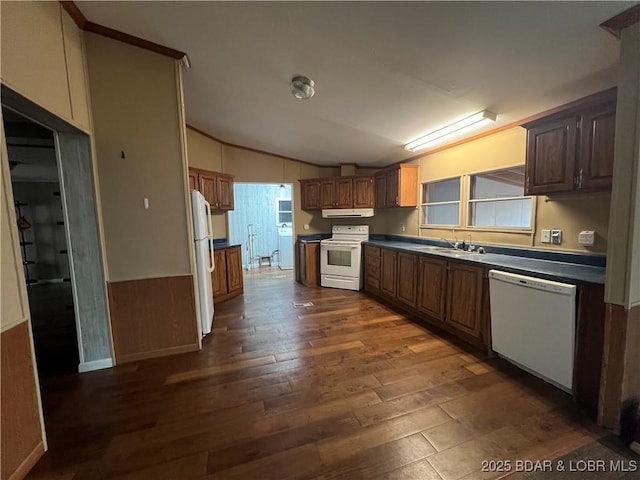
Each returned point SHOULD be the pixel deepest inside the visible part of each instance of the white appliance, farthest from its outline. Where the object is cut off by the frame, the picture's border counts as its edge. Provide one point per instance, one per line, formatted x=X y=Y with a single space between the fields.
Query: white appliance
x=347 y=212
x=203 y=235
x=341 y=257
x=285 y=247
x=533 y=325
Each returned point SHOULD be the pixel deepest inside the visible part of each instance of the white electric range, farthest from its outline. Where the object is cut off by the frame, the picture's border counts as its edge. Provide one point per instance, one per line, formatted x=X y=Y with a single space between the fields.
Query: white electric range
x=341 y=257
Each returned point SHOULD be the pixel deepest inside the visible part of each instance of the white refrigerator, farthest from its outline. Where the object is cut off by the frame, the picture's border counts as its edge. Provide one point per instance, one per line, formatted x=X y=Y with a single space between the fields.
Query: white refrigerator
x=203 y=235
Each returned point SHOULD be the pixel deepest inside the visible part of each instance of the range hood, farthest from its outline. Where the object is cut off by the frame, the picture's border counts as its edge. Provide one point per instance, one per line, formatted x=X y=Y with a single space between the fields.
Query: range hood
x=347 y=213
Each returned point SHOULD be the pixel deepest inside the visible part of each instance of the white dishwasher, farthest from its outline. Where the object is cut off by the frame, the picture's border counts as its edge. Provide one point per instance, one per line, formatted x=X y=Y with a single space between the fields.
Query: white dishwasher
x=533 y=325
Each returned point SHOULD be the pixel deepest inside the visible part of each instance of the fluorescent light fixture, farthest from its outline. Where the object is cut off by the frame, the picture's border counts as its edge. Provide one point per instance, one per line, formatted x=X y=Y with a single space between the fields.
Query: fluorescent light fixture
x=456 y=128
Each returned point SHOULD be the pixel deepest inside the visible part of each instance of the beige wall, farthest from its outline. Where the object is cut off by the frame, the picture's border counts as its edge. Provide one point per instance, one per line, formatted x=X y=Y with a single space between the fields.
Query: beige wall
x=43 y=58
x=248 y=167
x=570 y=212
x=136 y=103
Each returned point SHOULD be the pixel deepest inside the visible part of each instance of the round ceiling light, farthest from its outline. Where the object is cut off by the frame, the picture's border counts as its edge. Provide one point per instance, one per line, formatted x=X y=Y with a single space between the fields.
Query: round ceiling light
x=302 y=87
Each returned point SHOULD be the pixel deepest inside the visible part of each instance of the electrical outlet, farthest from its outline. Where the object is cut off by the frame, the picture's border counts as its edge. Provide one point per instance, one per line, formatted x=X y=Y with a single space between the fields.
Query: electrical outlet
x=556 y=236
x=586 y=238
x=306 y=226
x=404 y=229
x=545 y=236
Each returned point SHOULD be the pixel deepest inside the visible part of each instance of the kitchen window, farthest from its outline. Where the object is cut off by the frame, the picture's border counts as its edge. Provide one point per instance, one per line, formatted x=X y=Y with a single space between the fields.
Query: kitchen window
x=284 y=212
x=440 y=204
x=496 y=200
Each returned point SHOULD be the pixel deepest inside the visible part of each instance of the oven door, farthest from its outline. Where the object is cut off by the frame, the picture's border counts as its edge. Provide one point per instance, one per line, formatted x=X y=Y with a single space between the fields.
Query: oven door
x=341 y=258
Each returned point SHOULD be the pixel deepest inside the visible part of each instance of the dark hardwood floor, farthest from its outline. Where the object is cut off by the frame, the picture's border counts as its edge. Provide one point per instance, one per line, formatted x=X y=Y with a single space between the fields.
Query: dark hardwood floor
x=344 y=388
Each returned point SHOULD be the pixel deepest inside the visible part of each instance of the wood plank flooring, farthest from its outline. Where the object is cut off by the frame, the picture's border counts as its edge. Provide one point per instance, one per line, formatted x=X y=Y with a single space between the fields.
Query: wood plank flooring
x=345 y=388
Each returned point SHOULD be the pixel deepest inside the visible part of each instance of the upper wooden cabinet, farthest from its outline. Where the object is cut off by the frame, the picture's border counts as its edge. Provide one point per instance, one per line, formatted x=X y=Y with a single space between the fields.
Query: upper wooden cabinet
x=337 y=192
x=397 y=186
x=216 y=187
x=311 y=197
x=572 y=150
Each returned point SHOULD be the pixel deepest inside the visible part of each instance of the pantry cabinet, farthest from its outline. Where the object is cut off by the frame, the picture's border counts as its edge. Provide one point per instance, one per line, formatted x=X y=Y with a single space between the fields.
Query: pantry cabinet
x=227 y=278
x=217 y=188
x=337 y=192
x=397 y=186
x=572 y=150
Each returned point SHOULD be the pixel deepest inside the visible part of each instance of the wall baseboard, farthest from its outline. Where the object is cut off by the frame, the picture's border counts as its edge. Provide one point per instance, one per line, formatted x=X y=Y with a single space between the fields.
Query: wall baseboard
x=95 y=365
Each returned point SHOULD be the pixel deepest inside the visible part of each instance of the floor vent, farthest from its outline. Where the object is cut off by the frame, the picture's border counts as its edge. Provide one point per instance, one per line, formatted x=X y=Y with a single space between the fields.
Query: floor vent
x=302 y=304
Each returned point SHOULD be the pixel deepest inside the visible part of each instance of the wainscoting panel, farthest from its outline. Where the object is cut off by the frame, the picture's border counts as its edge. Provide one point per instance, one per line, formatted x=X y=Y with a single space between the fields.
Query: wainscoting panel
x=22 y=443
x=153 y=317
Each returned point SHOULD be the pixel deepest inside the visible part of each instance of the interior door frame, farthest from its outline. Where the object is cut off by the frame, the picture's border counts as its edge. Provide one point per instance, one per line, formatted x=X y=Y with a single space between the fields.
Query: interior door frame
x=83 y=233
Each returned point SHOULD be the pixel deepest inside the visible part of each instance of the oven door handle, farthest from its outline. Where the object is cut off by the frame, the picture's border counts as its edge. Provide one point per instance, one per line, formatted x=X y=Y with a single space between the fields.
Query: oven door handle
x=342 y=245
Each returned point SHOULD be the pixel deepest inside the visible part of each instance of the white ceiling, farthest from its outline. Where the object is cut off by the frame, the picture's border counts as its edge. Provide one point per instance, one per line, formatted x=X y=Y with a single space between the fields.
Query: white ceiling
x=385 y=72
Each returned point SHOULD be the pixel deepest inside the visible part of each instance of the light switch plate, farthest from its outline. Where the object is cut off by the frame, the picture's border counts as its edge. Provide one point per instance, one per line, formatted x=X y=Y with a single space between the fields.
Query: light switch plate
x=545 y=236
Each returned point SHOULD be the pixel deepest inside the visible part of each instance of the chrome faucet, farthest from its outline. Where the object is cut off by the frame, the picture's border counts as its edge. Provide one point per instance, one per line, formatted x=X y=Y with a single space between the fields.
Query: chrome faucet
x=470 y=246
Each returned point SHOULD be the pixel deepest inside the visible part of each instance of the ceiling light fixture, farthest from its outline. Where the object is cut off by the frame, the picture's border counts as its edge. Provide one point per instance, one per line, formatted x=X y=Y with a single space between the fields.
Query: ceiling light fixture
x=302 y=87
x=456 y=128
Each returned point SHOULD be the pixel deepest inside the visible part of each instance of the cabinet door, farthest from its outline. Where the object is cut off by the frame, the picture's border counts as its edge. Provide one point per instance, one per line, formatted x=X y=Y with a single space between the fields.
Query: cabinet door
x=209 y=187
x=393 y=178
x=302 y=263
x=596 y=147
x=464 y=298
x=310 y=195
x=234 y=269
x=551 y=157
x=225 y=193
x=432 y=275
x=363 y=192
x=328 y=193
x=381 y=190
x=388 y=275
x=372 y=269
x=219 y=274
x=193 y=179
x=407 y=278
x=344 y=193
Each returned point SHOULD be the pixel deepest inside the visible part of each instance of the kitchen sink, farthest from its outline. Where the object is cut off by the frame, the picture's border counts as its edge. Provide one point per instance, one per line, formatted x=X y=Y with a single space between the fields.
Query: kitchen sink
x=451 y=251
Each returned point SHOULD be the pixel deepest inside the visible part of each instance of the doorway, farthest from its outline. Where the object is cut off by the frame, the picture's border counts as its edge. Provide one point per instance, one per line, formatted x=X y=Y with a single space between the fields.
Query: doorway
x=262 y=222
x=43 y=243
x=57 y=214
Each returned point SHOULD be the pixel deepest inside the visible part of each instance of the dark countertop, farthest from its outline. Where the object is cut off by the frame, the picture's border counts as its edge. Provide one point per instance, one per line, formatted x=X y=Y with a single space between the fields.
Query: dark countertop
x=549 y=270
x=221 y=244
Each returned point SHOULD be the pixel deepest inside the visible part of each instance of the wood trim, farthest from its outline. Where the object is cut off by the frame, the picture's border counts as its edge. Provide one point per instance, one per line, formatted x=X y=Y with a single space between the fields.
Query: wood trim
x=616 y=24
x=22 y=432
x=619 y=347
x=153 y=317
x=133 y=40
x=29 y=462
x=74 y=12
x=78 y=17
x=255 y=150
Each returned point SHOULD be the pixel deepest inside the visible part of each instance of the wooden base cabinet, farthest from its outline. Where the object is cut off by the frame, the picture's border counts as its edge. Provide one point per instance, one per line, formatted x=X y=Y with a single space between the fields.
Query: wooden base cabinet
x=227 y=278
x=464 y=298
x=452 y=295
x=308 y=263
x=432 y=283
x=407 y=278
x=372 y=269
